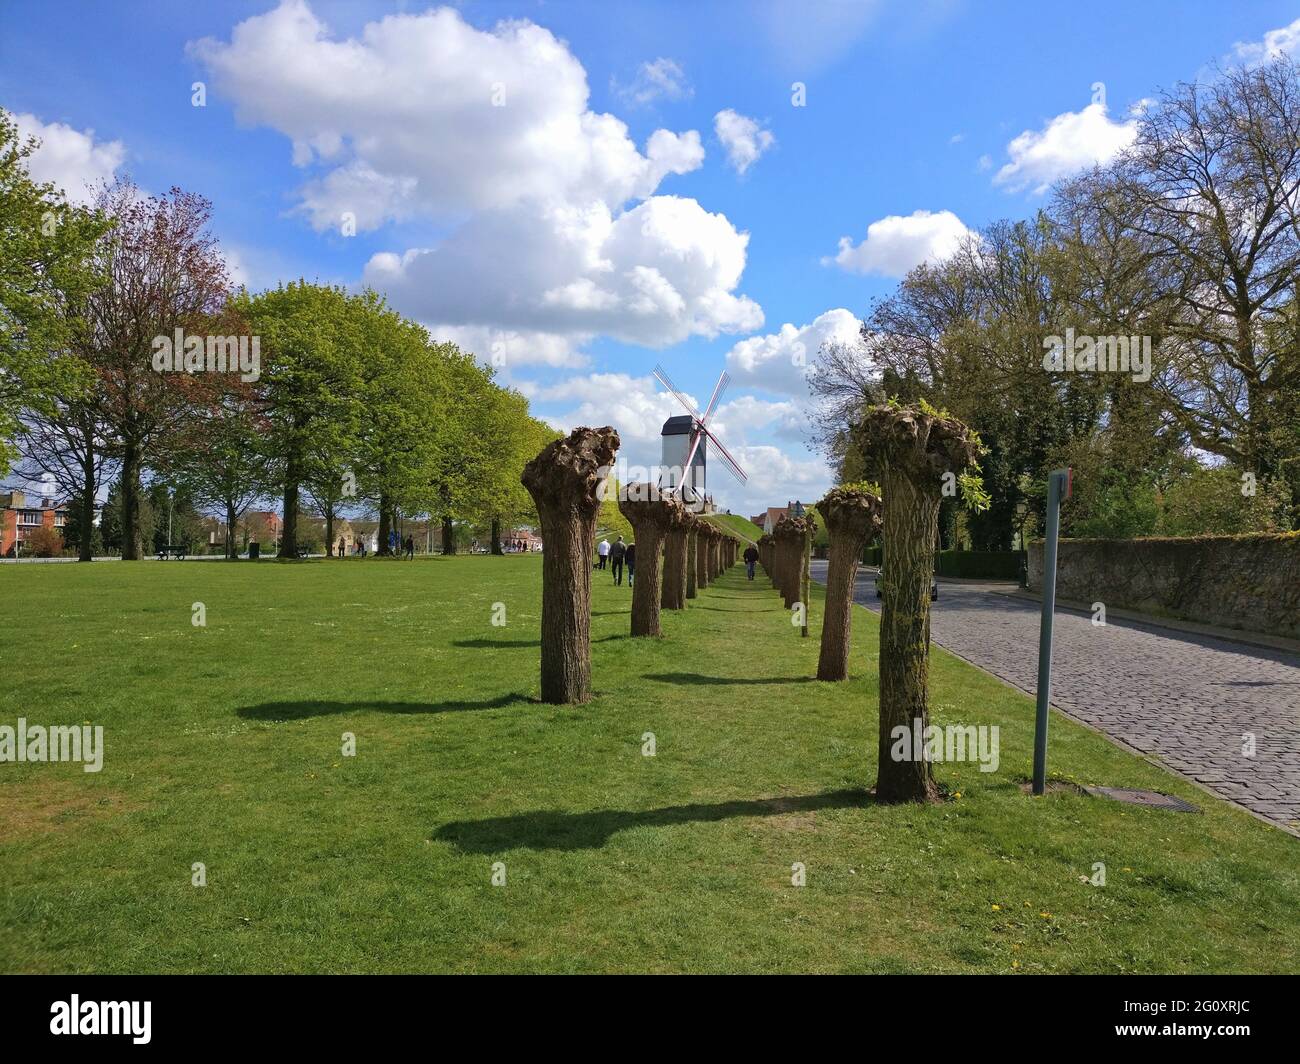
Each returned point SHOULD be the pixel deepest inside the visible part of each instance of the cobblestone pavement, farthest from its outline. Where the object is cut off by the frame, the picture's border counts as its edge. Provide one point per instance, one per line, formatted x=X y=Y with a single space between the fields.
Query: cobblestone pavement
x=1187 y=699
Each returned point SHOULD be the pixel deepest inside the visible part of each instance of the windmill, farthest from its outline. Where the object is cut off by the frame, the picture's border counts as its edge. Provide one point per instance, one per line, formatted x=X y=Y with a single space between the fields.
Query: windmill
x=684 y=446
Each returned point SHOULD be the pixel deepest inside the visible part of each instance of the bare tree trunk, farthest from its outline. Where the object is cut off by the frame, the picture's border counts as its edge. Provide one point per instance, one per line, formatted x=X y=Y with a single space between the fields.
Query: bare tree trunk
x=692 y=577
x=674 y=583
x=565 y=481
x=385 y=524
x=131 y=531
x=646 y=592
x=852 y=517
x=496 y=536
x=805 y=581
x=86 y=518
x=910 y=527
x=329 y=533
x=449 y=536
x=289 y=530
x=232 y=548
x=702 y=558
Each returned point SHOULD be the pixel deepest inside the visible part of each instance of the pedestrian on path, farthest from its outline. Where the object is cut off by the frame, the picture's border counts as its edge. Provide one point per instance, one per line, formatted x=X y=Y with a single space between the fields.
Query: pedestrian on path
x=616 y=555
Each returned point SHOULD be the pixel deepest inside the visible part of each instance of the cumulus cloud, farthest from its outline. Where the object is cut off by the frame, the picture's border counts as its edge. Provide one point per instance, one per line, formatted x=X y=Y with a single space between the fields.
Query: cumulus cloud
x=1067 y=144
x=653 y=275
x=779 y=362
x=1284 y=41
x=660 y=79
x=71 y=159
x=743 y=138
x=557 y=233
x=897 y=243
x=425 y=114
x=508 y=349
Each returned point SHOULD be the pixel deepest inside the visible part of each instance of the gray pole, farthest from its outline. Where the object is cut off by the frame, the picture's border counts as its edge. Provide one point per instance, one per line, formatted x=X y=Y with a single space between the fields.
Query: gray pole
x=1058 y=484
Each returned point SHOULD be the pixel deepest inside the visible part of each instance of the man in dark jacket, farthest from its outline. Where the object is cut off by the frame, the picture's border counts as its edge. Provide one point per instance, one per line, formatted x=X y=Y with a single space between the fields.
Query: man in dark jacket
x=629 y=556
x=617 y=552
x=751 y=557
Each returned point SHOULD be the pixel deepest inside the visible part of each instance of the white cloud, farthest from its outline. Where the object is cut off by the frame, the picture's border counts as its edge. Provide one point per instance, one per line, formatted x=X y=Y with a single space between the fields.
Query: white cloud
x=1279 y=42
x=743 y=138
x=1067 y=144
x=654 y=275
x=779 y=362
x=896 y=244
x=660 y=79
x=425 y=114
x=556 y=232
x=507 y=349
x=69 y=158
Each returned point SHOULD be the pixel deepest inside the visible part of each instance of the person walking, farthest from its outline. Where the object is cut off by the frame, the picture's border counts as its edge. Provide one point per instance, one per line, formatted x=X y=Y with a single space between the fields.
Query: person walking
x=410 y=546
x=616 y=555
x=751 y=557
x=343 y=547
x=629 y=558
x=602 y=552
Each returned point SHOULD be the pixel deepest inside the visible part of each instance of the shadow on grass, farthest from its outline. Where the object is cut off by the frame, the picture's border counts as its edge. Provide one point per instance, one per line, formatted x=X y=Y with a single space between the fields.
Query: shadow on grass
x=320 y=708
x=694 y=679
x=507 y=644
x=551 y=829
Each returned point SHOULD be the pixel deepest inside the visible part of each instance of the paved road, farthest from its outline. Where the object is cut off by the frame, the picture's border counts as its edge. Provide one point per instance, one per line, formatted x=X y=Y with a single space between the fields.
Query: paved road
x=1187 y=699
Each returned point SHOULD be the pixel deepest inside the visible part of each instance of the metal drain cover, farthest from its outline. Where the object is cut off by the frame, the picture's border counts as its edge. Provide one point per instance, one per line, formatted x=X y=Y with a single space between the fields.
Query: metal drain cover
x=1153 y=799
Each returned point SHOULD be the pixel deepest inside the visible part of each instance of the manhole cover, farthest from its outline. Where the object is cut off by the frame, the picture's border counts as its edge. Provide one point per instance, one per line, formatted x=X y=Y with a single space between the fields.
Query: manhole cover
x=1154 y=799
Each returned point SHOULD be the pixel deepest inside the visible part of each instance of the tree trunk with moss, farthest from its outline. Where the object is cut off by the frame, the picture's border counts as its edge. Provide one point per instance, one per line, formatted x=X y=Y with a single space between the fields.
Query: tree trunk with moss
x=910 y=449
x=852 y=519
x=674 y=585
x=702 y=557
x=565 y=480
x=692 y=563
x=650 y=518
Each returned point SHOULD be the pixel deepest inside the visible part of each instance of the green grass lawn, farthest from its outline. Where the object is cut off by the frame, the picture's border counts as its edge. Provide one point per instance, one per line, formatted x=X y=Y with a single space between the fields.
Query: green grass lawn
x=223 y=746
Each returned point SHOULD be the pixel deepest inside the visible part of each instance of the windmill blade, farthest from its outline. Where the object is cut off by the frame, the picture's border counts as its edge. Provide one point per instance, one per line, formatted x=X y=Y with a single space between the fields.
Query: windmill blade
x=662 y=377
x=718 y=389
x=733 y=467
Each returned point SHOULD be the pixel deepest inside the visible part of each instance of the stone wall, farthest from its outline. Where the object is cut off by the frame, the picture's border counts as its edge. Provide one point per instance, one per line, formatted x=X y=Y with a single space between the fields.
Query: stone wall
x=1247 y=582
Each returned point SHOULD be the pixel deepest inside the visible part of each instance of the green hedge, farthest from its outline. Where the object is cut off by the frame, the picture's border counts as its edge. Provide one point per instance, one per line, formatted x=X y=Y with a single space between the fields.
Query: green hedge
x=971 y=564
x=981 y=564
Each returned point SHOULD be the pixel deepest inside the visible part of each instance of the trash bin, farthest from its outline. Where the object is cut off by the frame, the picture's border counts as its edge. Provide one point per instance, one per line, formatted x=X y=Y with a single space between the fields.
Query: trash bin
x=254 y=551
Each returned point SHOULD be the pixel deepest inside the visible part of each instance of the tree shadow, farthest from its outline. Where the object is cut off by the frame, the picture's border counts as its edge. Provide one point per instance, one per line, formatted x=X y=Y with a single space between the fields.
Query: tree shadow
x=305 y=708
x=727 y=609
x=553 y=829
x=509 y=644
x=696 y=679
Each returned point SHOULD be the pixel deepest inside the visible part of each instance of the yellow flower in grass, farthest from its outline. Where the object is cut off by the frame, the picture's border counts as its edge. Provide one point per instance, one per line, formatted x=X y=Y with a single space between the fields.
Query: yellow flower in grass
x=997 y=908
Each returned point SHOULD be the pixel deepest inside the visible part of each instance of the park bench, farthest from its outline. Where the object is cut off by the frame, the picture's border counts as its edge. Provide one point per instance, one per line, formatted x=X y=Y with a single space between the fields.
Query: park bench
x=172 y=550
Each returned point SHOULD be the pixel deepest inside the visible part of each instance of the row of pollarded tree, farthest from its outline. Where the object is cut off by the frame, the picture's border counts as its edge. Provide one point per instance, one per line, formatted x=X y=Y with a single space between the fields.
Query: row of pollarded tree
x=567 y=482
x=917 y=452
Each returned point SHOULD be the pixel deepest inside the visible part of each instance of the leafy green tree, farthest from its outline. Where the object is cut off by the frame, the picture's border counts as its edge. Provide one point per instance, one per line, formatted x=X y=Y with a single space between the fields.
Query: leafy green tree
x=46 y=271
x=312 y=352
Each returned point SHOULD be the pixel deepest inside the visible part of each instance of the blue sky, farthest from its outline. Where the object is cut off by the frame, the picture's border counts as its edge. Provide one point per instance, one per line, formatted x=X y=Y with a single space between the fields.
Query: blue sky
x=510 y=188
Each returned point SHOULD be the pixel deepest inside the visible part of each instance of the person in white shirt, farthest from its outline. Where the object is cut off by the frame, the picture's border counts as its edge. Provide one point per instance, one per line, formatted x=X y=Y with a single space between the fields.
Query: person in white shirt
x=603 y=551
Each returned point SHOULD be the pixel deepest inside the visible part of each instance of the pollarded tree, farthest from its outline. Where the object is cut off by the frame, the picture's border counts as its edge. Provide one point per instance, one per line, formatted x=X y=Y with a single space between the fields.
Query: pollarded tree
x=566 y=481
x=918 y=454
x=650 y=517
x=675 y=536
x=789 y=536
x=852 y=517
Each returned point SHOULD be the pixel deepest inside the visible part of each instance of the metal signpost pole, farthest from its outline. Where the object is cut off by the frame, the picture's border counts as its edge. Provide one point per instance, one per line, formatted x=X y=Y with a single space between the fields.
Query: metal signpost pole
x=1058 y=487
